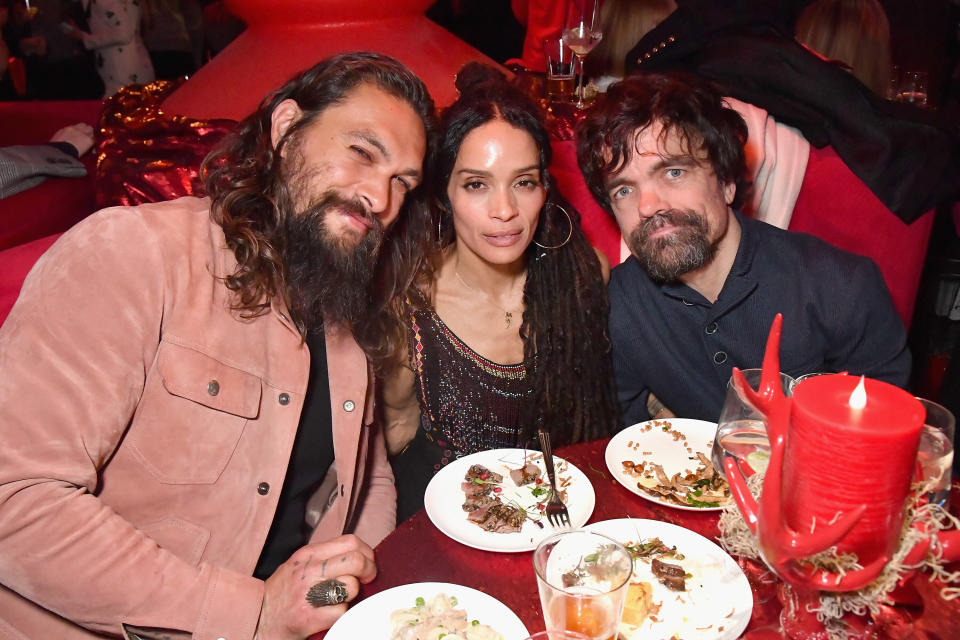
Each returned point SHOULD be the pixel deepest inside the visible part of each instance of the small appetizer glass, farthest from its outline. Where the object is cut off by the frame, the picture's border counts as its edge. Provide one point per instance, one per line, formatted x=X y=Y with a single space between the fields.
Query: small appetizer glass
x=582 y=577
x=557 y=635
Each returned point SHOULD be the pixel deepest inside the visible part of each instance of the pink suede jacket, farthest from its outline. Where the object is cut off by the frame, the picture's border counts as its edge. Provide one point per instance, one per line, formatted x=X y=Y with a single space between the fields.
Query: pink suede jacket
x=145 y=432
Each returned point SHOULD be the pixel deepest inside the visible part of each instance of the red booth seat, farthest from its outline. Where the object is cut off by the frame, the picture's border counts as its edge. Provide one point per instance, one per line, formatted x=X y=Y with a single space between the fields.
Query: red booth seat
x=15 y=264
x=56 y=204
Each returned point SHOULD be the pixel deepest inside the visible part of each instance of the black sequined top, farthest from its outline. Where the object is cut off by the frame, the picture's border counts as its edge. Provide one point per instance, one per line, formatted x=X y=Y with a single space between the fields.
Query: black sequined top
x=467 y=404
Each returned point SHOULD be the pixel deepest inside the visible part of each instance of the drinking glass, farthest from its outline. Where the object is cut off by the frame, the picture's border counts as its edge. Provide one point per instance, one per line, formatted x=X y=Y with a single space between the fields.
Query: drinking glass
x=557 y=635
x=912 y=87
x=741 y=433
x=581 y=32
x=935 y=455
x=583 y=577
x=560 y=67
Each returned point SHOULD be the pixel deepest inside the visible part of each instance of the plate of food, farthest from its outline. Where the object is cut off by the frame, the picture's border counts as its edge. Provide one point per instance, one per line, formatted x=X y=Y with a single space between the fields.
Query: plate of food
x=683 y=585
x=494 y=500
x=427 y=610
x=668 y=462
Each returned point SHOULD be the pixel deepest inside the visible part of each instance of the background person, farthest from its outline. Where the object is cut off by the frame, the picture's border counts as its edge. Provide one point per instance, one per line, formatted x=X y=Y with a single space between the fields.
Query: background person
x=120 y=56
x=854 y=32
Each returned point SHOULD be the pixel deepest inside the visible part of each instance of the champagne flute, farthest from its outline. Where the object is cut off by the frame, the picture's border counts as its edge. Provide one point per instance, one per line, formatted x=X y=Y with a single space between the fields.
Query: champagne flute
x=581 y=32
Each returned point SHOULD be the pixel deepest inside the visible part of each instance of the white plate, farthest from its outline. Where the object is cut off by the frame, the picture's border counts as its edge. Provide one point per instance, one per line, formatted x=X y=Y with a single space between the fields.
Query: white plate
x=718 y=594
x=657 y=445
x=444 y=498
x=370 y=618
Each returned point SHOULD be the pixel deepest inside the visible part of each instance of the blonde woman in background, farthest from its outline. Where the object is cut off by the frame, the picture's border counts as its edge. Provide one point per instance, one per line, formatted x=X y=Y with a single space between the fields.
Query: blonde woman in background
x=855 y=32
x=624 y=22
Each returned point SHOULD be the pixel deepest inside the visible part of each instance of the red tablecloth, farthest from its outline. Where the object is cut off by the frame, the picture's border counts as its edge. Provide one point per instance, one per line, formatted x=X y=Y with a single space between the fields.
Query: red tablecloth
x=418 y=552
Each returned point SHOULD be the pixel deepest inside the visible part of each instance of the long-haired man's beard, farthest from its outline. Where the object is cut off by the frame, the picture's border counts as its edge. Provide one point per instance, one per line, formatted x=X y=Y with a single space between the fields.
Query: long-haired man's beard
x=328 y=275
x=667 y=257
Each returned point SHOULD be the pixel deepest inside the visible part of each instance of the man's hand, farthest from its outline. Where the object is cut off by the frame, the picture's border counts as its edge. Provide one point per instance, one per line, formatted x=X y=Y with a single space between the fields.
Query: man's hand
x=286 y=613
x=79 y=136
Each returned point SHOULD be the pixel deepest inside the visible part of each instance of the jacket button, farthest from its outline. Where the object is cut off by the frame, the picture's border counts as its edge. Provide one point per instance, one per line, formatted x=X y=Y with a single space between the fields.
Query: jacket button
x=349 y=405
x=719 y=357
x=263 y=488
x=710 y=329
x=341 y=491
x=213 y=387
x=284 y=399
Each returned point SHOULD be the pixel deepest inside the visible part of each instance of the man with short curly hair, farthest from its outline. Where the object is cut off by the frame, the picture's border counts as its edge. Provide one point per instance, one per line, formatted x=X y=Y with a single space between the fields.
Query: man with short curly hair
x=665 y=156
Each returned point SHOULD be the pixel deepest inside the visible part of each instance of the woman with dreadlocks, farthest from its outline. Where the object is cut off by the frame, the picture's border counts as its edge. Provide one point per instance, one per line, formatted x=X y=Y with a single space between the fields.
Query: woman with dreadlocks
x=507 y=319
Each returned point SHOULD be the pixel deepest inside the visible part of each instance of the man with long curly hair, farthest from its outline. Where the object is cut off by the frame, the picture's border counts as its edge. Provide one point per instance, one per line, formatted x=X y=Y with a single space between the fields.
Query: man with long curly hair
x=665 y=156
x=185 y=398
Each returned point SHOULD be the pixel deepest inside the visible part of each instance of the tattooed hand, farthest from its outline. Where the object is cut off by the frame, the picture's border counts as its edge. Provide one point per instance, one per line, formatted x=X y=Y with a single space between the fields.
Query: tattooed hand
x=286 y=614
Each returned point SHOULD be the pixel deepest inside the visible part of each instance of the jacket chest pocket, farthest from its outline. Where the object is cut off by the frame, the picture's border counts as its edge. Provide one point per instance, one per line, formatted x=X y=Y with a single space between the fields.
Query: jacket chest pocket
x=191 y=416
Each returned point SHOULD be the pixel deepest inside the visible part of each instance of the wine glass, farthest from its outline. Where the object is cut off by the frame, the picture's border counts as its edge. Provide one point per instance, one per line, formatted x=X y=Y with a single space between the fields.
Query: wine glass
x=581 y=32
x=935 y=456
x=741 y=433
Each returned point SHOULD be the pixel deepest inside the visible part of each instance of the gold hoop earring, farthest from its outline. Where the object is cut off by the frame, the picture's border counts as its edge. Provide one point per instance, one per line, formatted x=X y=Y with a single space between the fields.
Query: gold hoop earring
x=569 y=221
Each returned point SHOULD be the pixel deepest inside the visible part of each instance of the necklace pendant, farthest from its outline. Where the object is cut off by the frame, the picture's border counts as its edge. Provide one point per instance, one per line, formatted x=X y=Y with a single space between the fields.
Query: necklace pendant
x=508 y=317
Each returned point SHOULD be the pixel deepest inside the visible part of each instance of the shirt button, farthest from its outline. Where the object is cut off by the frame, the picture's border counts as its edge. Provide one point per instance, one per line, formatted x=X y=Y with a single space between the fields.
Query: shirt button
x=284 y=399
x=263 y=488
x=341 y=491
x=711 y=328
x=213 y=387
x=349 y=405
x=719 y=357
x=686 y=302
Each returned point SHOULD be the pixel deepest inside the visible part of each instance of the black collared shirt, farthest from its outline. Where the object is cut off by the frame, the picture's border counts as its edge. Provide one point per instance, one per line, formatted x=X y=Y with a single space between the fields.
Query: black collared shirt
x=669 y=340
x=310 y=460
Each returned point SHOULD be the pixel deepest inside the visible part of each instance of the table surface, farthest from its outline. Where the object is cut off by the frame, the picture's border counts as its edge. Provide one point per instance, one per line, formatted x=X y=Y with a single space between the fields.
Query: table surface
x=418 y=552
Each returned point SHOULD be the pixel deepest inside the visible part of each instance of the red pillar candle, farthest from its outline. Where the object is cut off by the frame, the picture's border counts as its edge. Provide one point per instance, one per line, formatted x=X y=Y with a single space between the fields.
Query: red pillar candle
x=838 y=457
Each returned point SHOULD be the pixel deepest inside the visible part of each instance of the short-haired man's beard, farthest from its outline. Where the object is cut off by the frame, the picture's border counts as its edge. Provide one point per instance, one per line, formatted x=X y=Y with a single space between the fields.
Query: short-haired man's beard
x=668 y=257
x=327 y=275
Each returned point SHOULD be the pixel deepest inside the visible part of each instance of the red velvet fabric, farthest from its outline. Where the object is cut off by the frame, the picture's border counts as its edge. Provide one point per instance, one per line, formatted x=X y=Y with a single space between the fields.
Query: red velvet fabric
x=57 y=203
x=15 y=264
x=837 y=206
x=418 y=552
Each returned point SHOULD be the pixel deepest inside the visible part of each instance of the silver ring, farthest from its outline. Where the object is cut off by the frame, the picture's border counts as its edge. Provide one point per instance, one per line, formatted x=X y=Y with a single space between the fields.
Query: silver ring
x=327 y=592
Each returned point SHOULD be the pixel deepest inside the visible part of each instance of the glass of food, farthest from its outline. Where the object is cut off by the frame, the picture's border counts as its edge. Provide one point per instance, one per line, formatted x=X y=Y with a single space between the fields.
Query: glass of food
x=935 y=455
x=741 y=433
x=583 y=577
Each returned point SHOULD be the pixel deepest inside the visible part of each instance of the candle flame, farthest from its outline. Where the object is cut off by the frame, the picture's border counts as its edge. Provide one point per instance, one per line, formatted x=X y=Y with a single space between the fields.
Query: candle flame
x=858 y=399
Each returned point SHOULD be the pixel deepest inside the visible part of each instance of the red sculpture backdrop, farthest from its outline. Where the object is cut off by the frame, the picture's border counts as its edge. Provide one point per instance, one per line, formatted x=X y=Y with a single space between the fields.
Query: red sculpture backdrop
x=285 y=36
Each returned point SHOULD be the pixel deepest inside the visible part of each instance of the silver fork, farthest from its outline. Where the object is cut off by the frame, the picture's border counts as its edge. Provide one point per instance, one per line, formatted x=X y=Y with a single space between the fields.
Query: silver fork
x=557 y=513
